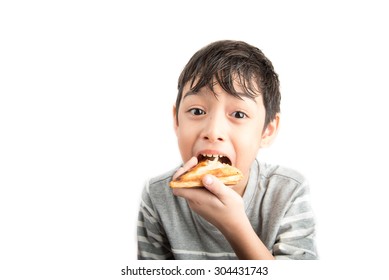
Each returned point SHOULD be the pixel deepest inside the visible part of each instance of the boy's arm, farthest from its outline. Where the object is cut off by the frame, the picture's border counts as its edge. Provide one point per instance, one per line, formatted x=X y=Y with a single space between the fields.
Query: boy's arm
x=224 y=208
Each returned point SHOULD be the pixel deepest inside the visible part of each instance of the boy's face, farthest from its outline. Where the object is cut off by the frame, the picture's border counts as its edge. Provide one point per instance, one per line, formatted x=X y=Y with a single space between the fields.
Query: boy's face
x=222 y=125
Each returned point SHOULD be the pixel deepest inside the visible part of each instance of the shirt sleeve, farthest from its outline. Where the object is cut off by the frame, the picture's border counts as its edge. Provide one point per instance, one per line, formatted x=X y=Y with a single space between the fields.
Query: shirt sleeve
x=152 y=241
x=296 y=236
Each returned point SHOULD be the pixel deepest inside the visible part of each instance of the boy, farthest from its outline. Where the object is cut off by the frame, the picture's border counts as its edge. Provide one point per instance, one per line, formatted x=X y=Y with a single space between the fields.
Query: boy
x=228 y=105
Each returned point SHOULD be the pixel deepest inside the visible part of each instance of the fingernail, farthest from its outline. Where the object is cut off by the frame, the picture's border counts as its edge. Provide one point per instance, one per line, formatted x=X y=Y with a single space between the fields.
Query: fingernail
x=207 y=180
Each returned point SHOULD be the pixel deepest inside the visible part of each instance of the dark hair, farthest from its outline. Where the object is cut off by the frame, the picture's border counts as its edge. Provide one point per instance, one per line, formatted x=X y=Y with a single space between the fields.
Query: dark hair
x=224 y=62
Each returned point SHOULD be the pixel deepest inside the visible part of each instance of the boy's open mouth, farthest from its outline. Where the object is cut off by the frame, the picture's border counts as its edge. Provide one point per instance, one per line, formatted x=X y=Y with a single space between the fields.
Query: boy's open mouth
x=221 y=158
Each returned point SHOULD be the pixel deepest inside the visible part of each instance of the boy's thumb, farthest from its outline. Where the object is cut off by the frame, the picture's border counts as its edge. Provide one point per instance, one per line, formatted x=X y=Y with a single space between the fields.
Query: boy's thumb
x=213 y=185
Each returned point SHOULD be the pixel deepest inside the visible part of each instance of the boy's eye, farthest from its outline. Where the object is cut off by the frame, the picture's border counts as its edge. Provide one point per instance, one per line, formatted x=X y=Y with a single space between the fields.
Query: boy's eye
x=197 y=111
x=239 y=115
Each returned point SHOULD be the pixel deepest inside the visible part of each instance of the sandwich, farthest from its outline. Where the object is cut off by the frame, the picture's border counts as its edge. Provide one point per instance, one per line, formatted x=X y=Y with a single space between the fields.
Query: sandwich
x=226 y=173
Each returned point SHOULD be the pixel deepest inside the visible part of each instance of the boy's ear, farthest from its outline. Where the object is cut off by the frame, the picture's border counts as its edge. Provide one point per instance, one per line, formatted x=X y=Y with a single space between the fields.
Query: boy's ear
x=175 y=118
x=270 y=133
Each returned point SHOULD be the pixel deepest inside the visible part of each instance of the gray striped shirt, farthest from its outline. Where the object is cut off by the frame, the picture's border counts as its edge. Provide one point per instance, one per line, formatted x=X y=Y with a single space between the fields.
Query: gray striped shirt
x=276 y=202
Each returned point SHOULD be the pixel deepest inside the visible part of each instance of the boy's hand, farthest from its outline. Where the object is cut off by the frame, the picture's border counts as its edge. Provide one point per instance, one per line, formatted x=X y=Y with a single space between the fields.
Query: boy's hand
x=218 y=204
x=224 y=208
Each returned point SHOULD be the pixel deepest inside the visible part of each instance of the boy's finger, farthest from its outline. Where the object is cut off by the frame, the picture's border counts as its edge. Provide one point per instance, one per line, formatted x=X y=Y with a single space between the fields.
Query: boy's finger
x=215 y=186
x=188 y=165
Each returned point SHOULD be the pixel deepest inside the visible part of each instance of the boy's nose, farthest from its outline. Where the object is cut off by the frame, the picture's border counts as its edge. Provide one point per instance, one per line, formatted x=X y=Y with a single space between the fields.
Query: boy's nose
x=214 y=131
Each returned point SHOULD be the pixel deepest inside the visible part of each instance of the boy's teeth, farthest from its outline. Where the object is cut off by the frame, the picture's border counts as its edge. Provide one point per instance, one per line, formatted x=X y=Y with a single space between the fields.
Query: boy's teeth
x=212 y=156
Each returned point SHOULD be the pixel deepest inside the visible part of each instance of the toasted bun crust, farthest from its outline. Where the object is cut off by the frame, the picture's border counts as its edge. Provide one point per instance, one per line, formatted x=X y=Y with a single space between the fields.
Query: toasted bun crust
x=228 y=174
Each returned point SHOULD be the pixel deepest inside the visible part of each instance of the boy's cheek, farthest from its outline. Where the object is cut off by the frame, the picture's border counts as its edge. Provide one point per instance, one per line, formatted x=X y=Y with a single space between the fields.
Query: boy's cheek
x=185 y=151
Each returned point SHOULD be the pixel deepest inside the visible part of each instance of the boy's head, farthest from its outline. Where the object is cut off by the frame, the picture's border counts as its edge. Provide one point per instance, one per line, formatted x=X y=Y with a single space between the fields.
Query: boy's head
x=224 y=62
x=228 y=104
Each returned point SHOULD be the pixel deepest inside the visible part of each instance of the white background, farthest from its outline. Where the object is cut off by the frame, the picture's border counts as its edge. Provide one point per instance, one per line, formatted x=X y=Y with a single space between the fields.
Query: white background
x=86 y=96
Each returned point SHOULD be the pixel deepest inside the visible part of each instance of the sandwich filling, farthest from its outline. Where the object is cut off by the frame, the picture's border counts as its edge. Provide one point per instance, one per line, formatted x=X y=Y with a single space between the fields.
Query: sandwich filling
x=220 y=158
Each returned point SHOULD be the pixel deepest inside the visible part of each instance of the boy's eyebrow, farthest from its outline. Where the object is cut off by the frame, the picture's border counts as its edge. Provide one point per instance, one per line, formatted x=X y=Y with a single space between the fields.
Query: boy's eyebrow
x=190 y=92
